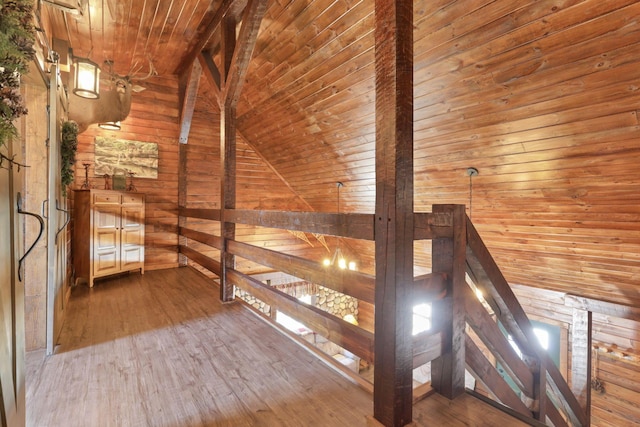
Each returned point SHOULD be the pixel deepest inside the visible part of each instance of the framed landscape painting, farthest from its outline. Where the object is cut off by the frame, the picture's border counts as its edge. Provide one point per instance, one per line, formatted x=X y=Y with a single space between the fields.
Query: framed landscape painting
x=115 y=156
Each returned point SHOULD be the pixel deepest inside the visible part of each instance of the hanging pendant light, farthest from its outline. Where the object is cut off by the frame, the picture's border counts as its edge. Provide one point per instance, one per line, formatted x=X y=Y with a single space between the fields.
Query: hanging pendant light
x=338 y=259
x=86 y=78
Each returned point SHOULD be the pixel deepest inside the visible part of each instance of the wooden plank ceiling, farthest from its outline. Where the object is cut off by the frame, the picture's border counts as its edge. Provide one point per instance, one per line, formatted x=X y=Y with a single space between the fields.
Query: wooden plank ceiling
x=541 y=96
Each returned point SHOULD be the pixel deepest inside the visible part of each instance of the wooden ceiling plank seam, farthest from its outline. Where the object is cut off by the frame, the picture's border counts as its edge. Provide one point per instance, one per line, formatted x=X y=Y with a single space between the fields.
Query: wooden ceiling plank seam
x=141 y=35
x=425 y=9
x=153 y=29
x=167 y=40
x=283 y=18
x=318 y=64
x=556 y=46
x=286 y=99
x=452 y=133
x=449 y=26
x=472 y=149
x=363 y=19
x=163 y=29
x=314 y=19
x=496 y=96
x=527 y=161
x=558 y=21
x=316 y=134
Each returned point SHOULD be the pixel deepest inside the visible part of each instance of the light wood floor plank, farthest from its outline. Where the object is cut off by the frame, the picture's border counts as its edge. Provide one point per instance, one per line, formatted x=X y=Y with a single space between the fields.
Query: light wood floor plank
x=160 y=350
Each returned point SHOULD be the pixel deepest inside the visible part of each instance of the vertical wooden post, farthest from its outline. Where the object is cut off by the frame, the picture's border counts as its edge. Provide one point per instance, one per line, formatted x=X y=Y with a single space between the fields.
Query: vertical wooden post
x=236 y=54
x=581 y=358
x=189 y=84
x=540 y=391
x=449 y=256
x=227 y=194
x=182 y=198
x=392 y=396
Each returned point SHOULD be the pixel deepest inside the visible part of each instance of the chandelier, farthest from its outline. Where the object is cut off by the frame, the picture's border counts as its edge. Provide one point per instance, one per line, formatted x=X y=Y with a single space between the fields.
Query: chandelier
x=338 y=259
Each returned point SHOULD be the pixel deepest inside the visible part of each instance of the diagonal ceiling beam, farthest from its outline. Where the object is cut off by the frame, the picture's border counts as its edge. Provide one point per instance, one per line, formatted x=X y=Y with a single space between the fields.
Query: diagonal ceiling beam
x=227 y=8
x=211 y=73
x=252 y=17
x=188 y=103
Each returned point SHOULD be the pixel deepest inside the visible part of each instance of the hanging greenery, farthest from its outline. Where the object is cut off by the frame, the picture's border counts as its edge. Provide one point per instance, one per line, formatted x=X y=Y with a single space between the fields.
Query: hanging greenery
x=17 y=36
x=68 y=147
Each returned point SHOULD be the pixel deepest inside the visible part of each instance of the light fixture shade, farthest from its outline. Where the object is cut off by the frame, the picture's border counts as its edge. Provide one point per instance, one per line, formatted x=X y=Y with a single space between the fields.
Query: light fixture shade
x=86 y=78
x=110 y=125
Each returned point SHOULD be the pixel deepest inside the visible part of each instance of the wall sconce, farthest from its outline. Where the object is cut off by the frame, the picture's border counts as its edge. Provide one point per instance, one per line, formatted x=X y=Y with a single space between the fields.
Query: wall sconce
x=86 y=78
x=110 y=125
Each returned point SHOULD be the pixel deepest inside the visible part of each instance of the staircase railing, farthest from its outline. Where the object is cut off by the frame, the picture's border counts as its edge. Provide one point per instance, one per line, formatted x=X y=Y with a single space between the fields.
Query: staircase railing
x=541 y=391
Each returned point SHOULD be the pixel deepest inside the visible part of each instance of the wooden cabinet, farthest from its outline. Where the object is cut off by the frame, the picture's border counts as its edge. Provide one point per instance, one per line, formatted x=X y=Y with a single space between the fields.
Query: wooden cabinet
x=108 y=234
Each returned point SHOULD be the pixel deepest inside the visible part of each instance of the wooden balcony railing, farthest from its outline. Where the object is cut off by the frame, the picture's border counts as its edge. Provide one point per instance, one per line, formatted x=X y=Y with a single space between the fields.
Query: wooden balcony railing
x=459 y=256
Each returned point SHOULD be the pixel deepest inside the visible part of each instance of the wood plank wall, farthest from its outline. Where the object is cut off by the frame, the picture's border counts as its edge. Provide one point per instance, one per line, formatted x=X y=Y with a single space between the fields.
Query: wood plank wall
x=154 y=118
x=618 y=405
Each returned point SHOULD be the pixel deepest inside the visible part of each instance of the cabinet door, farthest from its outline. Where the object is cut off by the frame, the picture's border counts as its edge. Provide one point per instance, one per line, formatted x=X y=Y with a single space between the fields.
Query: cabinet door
x=132 y=243
x=106 y=240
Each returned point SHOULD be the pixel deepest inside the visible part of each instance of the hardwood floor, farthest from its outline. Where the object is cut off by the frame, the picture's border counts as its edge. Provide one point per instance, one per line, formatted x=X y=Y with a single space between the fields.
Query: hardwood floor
x=161 y=350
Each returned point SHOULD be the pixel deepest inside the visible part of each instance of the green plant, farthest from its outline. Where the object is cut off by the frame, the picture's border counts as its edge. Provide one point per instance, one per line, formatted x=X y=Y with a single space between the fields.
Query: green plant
x=16 y=40
x=68 y=147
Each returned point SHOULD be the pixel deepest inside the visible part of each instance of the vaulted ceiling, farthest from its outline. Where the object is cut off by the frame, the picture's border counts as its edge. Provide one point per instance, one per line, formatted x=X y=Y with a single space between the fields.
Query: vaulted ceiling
x=541 y=96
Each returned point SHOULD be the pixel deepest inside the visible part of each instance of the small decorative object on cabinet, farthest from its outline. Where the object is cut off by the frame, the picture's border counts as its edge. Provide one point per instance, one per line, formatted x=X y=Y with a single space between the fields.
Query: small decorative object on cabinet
x=108 y=236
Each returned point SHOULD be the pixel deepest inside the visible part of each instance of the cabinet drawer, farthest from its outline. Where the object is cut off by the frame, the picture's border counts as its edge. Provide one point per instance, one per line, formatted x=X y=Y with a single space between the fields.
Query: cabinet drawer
x=106 y=198
x=132 y=199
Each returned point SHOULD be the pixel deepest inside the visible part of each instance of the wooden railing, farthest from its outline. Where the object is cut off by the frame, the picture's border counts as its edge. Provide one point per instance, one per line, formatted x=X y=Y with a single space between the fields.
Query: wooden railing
x=541 y=391
x=535 y=375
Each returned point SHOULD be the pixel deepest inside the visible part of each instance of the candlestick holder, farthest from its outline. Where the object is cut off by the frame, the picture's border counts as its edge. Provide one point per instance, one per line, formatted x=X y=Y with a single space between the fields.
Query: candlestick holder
x=86 y=185
x=130 y=186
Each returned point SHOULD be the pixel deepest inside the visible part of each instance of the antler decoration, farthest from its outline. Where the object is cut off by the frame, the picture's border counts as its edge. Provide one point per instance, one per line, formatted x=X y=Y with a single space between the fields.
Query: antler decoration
x=134 y=74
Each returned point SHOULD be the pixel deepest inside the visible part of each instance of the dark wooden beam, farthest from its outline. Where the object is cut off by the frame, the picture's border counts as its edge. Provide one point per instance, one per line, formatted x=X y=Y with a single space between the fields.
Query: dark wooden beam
x=487 y=330
x=487 y=374
x=227 y=8
x=353 y=283
x=432 y=225
x=227 y=193
x=554 y=415
x=251 y=19
x=540 y=390
x=354 y=226
x=487 y=275
x=227 y=47
x=394 y=218
x=429 y=287
x=182 y=197
x=426 y=347
x=199 y=236
x=188 y=103
x=449 y=256
x=209 y=263
x=345 y=334
x=211 y=73
x=201 y=213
